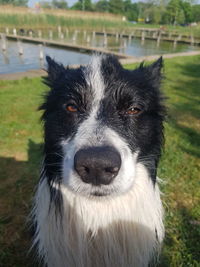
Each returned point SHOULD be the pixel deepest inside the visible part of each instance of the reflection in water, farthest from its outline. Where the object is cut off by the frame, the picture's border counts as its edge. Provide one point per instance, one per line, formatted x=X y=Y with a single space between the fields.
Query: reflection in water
x=5 y=58
x=21 y=59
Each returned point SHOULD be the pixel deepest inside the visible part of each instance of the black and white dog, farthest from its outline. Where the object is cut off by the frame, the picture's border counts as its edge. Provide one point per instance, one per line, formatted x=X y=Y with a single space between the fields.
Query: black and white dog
x=98 y=203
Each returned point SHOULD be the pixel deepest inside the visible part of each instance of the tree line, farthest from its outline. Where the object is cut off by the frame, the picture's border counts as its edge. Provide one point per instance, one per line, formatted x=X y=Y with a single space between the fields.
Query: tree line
x=173 y=12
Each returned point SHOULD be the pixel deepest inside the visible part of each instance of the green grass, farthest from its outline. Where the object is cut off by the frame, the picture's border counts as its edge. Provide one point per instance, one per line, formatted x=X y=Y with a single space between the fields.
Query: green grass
x=20 y=155
x=48 y=21
x=94 y=21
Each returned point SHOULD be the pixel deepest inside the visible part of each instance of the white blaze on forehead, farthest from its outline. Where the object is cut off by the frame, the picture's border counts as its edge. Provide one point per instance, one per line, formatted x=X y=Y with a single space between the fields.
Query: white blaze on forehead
x=94 y=78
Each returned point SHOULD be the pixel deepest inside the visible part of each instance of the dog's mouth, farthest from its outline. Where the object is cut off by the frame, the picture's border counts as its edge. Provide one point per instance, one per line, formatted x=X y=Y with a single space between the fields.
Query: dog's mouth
x=99 y=194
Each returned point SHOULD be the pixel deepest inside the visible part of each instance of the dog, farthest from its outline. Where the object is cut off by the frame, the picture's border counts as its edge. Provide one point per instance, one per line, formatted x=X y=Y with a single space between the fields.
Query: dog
x=98 y=203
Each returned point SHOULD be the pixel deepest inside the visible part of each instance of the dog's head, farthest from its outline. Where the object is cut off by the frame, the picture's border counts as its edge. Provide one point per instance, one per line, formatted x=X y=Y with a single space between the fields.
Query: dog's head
x=100 y=122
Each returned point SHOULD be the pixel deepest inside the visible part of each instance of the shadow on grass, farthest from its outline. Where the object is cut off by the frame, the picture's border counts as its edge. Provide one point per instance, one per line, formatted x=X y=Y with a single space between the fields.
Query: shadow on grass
x=18 y=180
x=189 y=90
x=190 y=136
x=188 y=233
x=187 y=107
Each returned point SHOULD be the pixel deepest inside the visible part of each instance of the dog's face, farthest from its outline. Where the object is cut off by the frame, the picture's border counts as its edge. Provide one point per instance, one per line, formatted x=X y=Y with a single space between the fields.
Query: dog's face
x=100 y=121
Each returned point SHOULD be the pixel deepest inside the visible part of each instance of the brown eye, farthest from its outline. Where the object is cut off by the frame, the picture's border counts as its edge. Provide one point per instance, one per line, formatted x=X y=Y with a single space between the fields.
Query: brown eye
x=133 y=111
x=71 y=108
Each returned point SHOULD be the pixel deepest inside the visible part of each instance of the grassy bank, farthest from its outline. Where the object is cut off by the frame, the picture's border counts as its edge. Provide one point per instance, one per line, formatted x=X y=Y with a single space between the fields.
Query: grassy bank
x=20 y=155
x=22 y=17
x=47 y=18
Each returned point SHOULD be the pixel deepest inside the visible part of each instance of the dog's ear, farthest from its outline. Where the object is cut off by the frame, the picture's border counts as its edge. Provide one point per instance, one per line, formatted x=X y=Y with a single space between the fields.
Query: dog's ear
x=156 y=68
x=54 y=70
x=153 y=73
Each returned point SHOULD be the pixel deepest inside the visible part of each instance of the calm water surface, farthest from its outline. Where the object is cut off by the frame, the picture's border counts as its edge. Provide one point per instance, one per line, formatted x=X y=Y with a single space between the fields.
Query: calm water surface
x=11 y=62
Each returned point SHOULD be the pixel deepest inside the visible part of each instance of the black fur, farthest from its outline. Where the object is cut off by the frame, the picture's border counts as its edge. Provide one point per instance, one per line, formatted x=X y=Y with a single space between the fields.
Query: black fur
x=124 y=89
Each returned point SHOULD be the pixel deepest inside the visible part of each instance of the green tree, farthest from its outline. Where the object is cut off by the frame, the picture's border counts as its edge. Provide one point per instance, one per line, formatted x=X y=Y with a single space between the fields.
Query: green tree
x=116 y=6
x=78 y=6
x=102 y=6
x=187 y=9
x=173 y=10
x=83 y=5
x=88 y=5
x=196 y=13
x=14 y=2
x=131 y=10
x=62 y=4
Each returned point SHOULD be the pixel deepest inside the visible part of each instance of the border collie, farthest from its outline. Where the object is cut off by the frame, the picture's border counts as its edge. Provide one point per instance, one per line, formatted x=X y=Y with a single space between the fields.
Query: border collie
x=98 y=202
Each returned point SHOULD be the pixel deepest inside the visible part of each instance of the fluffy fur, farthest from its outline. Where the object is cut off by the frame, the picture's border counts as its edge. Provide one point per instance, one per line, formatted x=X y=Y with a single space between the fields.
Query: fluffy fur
x=80 y=223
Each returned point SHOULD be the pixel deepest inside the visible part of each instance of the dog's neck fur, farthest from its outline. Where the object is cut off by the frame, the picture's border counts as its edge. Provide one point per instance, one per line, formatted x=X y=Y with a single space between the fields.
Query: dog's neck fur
x=123 y=231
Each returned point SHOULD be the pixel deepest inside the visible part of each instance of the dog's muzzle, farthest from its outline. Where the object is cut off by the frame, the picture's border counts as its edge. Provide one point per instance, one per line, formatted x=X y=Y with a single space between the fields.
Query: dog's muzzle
x=97 y=165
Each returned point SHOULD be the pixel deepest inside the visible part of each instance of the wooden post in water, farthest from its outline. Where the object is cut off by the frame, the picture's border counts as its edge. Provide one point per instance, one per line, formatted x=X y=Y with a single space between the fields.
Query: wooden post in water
x=3 y=42
x=40 y=34
x=125 y=44
x=50 y=34
x=59 y=31
x=175 y=43
x=154 y=35
x=105 y=41
x=192 y=39
x=31 y=34
x=158 y=40
x=88 y=39
x=61 y=36
x=41 y=52
x=142 y=37
x=74 y=38
x=20 y=47
x=84 y=35
x=14 y=32
x=117 y=37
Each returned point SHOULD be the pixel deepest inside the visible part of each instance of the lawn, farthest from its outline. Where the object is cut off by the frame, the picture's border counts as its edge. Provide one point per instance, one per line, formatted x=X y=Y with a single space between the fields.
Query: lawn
x=20 y=155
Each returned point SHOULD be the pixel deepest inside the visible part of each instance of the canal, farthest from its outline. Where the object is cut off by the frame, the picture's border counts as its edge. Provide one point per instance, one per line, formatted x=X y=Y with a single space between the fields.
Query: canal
x=11 y=61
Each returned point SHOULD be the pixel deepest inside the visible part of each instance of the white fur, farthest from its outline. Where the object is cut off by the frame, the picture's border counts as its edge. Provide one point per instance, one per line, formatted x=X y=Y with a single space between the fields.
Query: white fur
x=108 y=231
x=123 y=228
x=103 y=136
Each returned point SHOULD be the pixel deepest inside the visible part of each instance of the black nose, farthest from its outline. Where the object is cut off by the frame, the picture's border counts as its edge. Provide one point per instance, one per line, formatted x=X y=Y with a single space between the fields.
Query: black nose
x=97 y=165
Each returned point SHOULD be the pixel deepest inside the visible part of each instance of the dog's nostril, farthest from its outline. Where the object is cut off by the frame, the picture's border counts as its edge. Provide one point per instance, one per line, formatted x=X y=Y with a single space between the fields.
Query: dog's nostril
x=87 y=170
x=97 y=165
x=112 y=170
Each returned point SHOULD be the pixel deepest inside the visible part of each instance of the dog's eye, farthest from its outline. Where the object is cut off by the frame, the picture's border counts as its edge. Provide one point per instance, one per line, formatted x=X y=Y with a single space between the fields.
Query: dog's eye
x=133 y=111
x=71 y=107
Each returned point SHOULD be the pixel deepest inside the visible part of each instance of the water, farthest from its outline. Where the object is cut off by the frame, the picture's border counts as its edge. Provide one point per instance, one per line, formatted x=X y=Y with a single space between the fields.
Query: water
x=11 y=62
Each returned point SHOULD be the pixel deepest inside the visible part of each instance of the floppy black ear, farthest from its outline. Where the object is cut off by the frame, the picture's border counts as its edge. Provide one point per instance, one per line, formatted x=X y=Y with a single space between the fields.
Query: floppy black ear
x=54 y=70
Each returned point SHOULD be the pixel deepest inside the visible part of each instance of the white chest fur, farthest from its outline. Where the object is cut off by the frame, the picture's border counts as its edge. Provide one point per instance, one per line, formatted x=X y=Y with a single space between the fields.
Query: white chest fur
x=112 y=232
